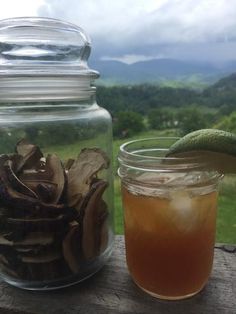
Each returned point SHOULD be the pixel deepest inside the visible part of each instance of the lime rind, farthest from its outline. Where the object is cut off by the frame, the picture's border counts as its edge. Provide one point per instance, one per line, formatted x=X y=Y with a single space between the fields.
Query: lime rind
x=215 y=148
x=206 y=140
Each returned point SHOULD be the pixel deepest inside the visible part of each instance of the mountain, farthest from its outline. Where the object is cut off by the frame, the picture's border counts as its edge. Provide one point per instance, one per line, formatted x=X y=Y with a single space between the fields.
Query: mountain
x=226 y=83
x=161 y=71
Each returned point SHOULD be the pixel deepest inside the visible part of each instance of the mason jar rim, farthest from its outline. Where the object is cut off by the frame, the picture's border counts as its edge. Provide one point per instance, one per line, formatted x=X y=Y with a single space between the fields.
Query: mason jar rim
x=146 y=160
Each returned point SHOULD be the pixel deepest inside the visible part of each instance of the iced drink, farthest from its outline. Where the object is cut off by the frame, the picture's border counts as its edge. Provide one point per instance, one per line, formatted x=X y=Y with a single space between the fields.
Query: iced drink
x=169 y=235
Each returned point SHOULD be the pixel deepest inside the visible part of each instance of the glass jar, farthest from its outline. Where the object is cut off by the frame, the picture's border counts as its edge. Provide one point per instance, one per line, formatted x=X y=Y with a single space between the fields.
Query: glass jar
x=56 y=186
x=170 y=218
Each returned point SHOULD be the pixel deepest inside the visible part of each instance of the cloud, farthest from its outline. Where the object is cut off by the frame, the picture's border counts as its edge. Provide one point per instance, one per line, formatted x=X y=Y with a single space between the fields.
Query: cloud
x=132 y=58
x=150 y=27
x=16 y=8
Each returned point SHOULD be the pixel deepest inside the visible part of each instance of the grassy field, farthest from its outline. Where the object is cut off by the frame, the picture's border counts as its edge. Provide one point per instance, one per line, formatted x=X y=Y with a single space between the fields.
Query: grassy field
x=226 y=220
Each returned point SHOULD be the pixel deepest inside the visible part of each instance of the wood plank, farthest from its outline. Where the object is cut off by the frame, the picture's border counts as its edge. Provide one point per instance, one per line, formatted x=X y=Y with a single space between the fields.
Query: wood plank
x=112 y=291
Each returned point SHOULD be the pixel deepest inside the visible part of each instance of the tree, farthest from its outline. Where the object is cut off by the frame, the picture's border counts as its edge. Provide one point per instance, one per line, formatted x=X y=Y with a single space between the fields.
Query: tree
x=227 y=123
x=191 y=119
x=127 y=123
x=161 y=118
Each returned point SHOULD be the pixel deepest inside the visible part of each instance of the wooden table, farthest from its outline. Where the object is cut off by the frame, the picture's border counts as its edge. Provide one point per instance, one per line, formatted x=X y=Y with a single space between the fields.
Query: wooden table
x=112 y=291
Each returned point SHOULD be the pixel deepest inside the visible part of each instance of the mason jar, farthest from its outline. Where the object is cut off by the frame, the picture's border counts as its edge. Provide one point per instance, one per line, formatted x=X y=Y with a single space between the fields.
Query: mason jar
x=56 y=187
x=170 y=206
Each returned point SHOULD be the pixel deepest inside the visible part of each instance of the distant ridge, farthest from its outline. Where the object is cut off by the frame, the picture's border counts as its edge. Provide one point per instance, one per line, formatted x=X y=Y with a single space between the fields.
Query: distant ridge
x=161 y=70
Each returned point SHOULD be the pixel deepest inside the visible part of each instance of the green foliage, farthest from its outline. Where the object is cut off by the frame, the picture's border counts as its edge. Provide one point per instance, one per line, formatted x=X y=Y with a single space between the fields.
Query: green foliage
x=128 y=123
x=143 y=98
x=46 y=134
x=226 y=110
x=227 y=123
x=155 y=103
x=191 y=119
x=117 y=98
x=161 y=118
x=53 y=134
x=8 y=140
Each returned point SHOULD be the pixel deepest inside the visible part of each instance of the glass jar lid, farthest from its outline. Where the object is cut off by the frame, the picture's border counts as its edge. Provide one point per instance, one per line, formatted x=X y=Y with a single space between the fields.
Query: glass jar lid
x=45 y=58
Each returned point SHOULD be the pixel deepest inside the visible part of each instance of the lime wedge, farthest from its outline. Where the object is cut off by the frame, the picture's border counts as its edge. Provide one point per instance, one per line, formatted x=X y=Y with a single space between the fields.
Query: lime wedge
x=216 y=148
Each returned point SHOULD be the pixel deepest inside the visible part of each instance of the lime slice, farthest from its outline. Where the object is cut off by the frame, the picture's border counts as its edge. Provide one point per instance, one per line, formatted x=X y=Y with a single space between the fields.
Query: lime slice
x=216 y=148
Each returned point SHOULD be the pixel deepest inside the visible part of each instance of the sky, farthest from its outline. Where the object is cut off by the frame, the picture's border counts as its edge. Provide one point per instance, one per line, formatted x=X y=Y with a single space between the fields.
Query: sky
x=136 y=30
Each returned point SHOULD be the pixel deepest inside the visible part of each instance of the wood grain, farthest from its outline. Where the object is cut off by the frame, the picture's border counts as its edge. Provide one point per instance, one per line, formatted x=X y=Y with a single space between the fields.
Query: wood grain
x=112 y=291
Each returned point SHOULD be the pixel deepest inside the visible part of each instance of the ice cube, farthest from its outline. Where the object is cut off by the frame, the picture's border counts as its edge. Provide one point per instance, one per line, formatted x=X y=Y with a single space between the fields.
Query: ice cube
x=183 y=212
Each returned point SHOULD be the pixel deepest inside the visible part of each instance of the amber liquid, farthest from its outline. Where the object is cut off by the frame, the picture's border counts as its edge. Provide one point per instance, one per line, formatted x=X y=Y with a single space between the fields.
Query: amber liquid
x=170 y=242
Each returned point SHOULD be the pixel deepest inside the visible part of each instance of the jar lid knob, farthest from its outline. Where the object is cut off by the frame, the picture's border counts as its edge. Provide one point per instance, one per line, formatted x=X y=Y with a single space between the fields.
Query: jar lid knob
x=43 y=45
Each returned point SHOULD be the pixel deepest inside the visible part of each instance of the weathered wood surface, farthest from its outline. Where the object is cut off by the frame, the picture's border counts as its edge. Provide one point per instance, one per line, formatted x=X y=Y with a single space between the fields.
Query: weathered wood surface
x=112 y=291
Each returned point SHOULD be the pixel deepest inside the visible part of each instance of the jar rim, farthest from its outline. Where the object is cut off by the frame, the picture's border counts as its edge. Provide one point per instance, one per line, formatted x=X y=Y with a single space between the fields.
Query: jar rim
x=135 y=154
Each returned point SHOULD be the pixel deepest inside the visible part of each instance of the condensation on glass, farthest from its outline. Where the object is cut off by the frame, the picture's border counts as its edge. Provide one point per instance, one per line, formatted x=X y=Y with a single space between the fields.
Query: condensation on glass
x=56 y=189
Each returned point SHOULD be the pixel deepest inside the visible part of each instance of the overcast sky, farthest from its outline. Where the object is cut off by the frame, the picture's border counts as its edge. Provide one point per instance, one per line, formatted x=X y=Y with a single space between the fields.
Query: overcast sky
x=133 y=30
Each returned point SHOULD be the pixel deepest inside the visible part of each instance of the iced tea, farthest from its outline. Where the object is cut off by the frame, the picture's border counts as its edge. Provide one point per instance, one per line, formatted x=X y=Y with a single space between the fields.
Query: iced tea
x=170 y=239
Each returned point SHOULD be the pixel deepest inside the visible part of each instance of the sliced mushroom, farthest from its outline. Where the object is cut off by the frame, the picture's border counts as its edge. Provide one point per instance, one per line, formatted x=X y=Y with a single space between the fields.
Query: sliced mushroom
x=30 y=153
x=5 y=267
x=35 y=250
x=52 y=217
x=54 y=165
x=48 y=181
x=71 y=245
x=103 y=227
x=3 y=159
x=58 y=223
x=68 y=164
x=15 y=182
x=91 y=214
x=36 y=175
x=46 y=191
x=21 y=204
x=44 y=258
x=88 y=164
x=3 y=259
x=36 y=238
x=4 y=241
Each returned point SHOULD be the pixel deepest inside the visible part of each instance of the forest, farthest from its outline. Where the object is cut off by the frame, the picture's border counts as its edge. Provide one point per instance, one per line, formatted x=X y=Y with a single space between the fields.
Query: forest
x=141 y=107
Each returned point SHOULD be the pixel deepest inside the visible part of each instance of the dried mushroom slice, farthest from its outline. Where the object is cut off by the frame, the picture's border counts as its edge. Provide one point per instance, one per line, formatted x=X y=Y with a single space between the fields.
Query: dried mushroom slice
x=52 y=216
x=53 y=163
x=5 y=241
x=3 y=259
x=48 y=181
x=71 y=245
x=91 y=224
x=3 y=159
x=89 y=162
x=102 y=227
x=36 y=238
x=15 y=182
x=35 y=175
x=20 y=204
x=41 y=258
x=58 y=223
x=46 y=191
x=68 y=164
x=5 y=267
x=30 y=153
